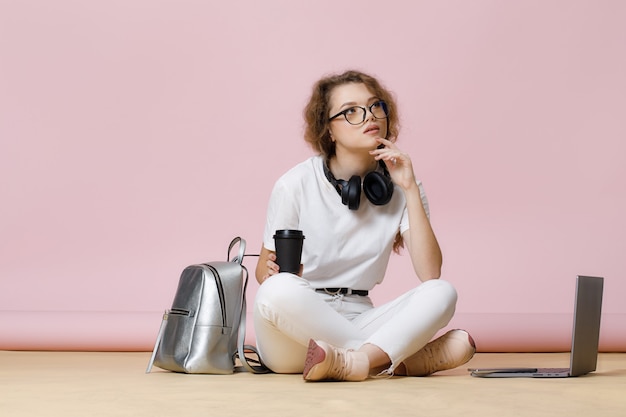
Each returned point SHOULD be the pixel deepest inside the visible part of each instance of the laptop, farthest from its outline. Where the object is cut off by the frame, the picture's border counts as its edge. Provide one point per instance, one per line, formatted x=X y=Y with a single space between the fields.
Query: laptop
x=585 y=338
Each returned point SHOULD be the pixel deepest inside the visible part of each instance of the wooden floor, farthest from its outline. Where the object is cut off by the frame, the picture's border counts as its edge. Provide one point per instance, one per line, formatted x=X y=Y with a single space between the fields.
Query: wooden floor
x=114 y=384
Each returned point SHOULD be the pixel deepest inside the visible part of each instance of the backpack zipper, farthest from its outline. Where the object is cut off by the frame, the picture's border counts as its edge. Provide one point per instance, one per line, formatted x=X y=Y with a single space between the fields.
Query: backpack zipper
x=220 y=290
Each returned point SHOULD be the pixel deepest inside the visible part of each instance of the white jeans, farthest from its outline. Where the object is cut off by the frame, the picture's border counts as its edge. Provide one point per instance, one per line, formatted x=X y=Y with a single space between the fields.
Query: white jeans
x=288 y=312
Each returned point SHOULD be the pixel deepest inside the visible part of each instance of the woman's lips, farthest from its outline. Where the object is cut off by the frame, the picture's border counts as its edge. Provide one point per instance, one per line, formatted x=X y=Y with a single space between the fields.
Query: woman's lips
x=372 y=129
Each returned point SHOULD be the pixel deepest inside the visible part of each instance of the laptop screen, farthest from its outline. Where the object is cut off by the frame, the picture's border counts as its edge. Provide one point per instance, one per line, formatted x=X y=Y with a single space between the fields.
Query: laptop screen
x=586 y=331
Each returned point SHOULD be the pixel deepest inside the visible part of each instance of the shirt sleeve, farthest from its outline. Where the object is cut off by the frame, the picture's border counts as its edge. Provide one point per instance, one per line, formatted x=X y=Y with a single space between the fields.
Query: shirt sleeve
x=283 y=211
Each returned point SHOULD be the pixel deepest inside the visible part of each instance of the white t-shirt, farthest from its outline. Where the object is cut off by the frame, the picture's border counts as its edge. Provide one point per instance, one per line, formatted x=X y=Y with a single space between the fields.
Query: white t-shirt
x=342 y=247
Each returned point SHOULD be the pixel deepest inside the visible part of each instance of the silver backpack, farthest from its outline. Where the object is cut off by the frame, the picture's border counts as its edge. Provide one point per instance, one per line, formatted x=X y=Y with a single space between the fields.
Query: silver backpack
x=204 y=331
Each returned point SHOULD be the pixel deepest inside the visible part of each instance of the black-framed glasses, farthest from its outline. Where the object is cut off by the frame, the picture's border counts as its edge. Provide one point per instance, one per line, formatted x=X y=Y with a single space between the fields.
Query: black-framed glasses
x=355 y=115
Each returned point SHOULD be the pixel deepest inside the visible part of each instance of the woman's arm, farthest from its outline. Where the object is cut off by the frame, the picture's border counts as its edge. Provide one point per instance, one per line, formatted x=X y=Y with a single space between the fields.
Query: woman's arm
x=420 y=238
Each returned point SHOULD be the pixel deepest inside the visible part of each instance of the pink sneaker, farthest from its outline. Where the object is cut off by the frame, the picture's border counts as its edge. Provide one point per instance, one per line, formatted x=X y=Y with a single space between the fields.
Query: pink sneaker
x=325 y=362
x=449 y=351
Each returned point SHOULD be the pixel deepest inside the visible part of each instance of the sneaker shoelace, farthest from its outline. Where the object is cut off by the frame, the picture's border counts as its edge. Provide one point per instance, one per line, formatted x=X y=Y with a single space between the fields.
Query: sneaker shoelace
x=436 y=356
x=338 y=367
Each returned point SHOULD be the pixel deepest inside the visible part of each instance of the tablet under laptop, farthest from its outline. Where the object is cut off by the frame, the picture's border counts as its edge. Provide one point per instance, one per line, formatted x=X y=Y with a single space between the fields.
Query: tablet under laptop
x=585 y=337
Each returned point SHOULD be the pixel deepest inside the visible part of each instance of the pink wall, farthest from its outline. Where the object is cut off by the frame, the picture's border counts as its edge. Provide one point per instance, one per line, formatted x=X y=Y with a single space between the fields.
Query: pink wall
x=137 y=137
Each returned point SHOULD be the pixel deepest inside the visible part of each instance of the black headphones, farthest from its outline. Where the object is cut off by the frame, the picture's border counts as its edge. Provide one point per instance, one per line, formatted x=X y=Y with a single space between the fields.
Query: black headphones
x=378 y=188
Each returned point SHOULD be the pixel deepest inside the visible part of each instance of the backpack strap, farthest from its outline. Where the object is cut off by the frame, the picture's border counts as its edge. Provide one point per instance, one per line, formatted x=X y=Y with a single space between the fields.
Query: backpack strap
x=157 y=343
x=260 y=367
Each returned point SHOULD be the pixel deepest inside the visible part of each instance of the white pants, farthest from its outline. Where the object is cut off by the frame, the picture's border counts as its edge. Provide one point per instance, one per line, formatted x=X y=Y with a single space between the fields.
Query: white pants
x=288 y=312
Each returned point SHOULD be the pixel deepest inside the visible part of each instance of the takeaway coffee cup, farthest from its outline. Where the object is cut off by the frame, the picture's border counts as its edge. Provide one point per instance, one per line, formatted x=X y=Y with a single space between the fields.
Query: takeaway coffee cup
x=289 y=250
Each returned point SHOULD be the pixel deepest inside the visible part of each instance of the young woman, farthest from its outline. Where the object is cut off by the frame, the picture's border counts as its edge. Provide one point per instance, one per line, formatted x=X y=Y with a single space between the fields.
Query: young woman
x=356 y=202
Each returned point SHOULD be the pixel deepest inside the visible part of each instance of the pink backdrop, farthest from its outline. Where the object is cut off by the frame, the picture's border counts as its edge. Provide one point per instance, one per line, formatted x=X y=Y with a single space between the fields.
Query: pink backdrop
x=137 y=137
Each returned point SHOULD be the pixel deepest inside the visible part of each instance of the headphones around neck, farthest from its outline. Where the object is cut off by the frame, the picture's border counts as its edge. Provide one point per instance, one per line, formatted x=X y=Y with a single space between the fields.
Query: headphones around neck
x=378 y=188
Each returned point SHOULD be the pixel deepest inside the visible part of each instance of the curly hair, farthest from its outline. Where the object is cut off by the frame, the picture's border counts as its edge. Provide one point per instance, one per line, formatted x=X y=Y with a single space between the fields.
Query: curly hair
x=316 y=112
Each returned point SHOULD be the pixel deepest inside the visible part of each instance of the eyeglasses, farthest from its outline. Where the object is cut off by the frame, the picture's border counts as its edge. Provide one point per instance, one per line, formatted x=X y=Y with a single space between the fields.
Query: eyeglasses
x=356 y=115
